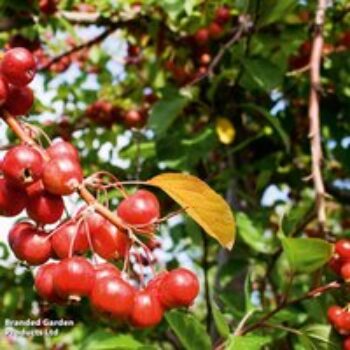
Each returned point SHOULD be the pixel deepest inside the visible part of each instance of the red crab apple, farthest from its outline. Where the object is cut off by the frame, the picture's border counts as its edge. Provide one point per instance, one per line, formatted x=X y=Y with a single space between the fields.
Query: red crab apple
x=140 y=209
x=109 y=242
x=31 y=245
x=22 y=165
x=106 y=270
x=62 y=240
x=18 y=66
x=45 y=208
x=179 y=288
x=62 y=176
x=74 y=277
x=147 y=311
x=4 y=90
x=44 y=283
x=342 y=248
x=222 y=14
x=12 y=199
x=62 y=149
x=114 y=296
x=19 y=100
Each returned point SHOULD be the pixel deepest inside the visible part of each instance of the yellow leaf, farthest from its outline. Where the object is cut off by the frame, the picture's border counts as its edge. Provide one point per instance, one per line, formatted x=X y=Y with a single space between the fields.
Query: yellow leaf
x=203 y=204
x=225 y=130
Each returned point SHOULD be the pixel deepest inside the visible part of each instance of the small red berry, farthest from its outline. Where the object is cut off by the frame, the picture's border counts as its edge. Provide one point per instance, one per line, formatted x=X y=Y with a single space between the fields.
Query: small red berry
x=62 y=175
x=114 y=296
x=44 y=283
x=342 y=248
x=12 y=199
x=74 y=277
x=142 y=208
x=179 y=288
x=19 y=100
x=4 y=90
x=147 y=311
x=18 y=66
x=22 y=165
x=62 y=240
x=61 y=149
x=45 y=208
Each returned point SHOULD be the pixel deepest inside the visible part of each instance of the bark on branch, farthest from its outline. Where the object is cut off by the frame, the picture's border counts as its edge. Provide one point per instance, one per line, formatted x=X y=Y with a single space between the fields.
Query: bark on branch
x=314 y=113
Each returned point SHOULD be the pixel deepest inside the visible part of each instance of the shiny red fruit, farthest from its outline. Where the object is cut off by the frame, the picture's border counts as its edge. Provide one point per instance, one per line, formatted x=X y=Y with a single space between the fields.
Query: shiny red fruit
x=18 y=66
x=32 y=246
x=45 y=208
x=334 y=315
x=336 y=264
x=15 y=231
x=147 y=311
x=19 y=100
x=346 y=344
x=62 y=149
x=74 y=277
x=154 y=284
x=44 y=283
x=114 y=296
x=222 y=14
x=202 y=36
x=62 y=240
x=109 y=242
x=35 y=188
x=12 y=199
x=62 y=176
x=342 y=248
x=345 y=271
x=22 y=165
x=106 y=270
x=4 y=90
x=141 y=208
x=179 y=288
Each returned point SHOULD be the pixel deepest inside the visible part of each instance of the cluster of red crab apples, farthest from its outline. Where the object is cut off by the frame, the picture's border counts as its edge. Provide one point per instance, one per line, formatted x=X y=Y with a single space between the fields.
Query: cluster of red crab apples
x=36 y=179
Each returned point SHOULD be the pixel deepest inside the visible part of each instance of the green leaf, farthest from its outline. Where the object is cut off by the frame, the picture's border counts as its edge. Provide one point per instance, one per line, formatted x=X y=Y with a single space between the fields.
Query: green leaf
x=248 y=342
x=165 y=111
x=273 y=121
x=276 y=10
x=322 y=336
x=254 y=236
x=220 y=321
x=296 y=215
x=102 y=340
x=263 y=73
x=306 y=254
x=189 y=330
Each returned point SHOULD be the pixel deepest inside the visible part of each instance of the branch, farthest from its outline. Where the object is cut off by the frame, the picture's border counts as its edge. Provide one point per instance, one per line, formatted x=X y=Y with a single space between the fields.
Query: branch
x=83 y=192
x=314 y=113
x=236 y=37
x=82 y=46
x=314 y=293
